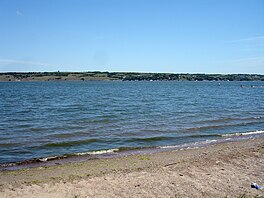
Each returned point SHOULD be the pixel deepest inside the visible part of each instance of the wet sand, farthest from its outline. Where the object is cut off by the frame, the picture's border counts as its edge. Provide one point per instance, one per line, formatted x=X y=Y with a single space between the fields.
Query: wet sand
x=221 y=170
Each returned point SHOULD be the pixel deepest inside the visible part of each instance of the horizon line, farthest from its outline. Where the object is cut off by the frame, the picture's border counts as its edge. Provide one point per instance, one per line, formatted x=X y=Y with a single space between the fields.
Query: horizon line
x=151 y=72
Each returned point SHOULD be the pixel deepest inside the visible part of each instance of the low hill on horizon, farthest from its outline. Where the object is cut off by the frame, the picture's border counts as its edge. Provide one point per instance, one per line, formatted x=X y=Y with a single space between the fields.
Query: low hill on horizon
x=124 y=76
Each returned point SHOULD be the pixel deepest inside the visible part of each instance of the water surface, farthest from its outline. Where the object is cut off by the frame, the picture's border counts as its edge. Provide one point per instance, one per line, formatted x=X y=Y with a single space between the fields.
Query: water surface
x=39 y=119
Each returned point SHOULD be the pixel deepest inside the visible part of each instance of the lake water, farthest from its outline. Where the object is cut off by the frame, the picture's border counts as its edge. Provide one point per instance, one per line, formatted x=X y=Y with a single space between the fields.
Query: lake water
x=40 y=119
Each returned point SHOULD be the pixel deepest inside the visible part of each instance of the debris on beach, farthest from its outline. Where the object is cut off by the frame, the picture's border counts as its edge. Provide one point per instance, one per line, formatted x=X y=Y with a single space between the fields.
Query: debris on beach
x=255 y=185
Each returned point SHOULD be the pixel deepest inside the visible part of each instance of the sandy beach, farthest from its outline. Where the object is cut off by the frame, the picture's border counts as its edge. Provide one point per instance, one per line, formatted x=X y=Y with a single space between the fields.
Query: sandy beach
x=221 y=170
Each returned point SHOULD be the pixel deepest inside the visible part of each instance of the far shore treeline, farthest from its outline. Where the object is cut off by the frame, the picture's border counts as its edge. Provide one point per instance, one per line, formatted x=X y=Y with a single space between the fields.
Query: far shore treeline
x=124 y=76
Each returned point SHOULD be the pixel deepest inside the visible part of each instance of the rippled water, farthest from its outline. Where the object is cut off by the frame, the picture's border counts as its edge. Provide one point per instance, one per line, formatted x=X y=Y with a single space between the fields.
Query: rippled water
x=39 y=119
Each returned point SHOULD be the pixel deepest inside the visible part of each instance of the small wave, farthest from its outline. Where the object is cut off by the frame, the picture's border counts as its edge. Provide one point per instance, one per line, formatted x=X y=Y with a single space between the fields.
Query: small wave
x=10 y=144
x=36 y=129
x=210 y=141
x=223 y=120
x=120 y=149
x=245 y=133
x=24 y=126
x=104 y=120
x=45 y=159
x=33 y=161
x=202 y=135
x=202 y=128
x=169 y=147
x=71 y=143
x=188 y=145
x=164 y=138
x=149 y=139
x=67 y=135
x=214 y=120
x=97 y=152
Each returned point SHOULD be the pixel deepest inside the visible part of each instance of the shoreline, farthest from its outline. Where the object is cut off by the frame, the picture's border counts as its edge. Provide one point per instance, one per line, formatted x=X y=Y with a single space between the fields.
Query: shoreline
x=219 y=170
x=124 y=76
x=124 y=152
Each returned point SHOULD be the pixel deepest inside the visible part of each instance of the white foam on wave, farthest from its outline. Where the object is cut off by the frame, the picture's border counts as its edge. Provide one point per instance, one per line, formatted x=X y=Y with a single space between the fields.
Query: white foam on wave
x=188 y=145
x=245 y=133
x=210 y=141
x=205 y=142
x=49 y=158
x=98 y=152
x=168 y=147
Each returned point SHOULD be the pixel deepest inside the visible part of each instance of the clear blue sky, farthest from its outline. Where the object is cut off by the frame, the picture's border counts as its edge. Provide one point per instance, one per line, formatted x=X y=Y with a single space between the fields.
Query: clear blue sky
x=194 y=36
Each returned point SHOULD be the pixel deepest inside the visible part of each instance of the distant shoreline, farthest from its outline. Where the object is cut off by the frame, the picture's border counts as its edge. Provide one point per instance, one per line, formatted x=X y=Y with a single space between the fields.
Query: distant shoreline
x=122 y=76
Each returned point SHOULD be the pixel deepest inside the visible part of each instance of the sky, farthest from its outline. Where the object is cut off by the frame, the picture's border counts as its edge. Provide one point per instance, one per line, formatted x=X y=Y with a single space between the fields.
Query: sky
x=178 y=36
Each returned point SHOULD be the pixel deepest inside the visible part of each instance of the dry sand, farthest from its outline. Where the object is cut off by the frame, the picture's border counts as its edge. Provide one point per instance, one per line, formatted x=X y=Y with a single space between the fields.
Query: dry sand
x=222 y=170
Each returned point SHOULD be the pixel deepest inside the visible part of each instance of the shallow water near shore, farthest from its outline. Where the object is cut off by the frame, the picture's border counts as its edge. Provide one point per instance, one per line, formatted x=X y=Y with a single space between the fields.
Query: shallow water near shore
x=45 y=119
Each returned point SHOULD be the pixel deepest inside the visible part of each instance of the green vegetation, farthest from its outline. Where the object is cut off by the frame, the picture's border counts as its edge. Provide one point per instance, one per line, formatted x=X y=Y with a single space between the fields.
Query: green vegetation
x=144 y=158
x=124 y=76
x=246 y=196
